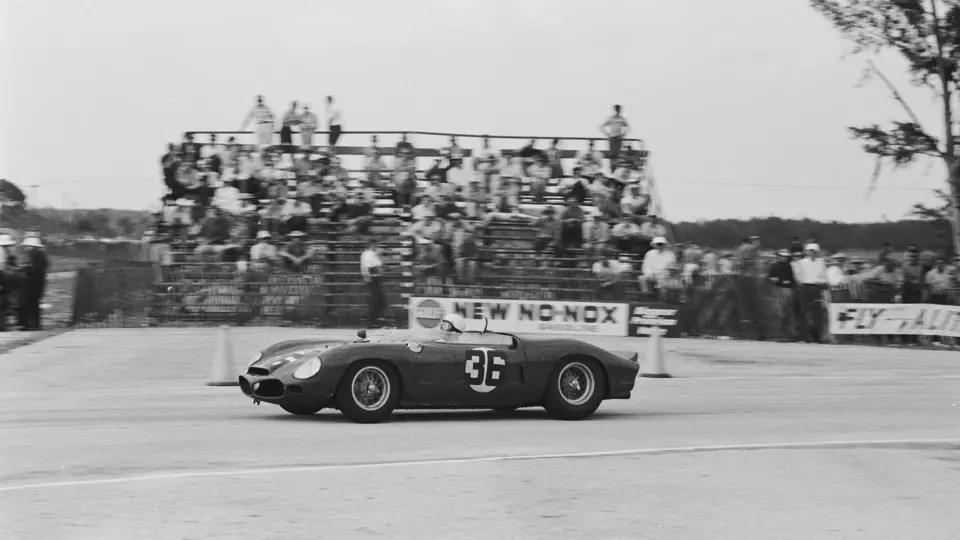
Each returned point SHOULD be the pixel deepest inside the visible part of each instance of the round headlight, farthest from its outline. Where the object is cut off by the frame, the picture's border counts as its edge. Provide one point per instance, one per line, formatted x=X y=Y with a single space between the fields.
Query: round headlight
x=308 y=369
x=256 y=358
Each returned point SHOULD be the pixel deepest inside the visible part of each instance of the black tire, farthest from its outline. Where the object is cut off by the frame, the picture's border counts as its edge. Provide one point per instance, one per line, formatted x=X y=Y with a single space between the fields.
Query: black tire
x=301 y=411
x=566 y=402
x=385 y=392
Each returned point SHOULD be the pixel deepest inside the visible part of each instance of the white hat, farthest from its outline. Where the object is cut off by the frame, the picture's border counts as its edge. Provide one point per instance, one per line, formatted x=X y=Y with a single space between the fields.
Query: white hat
x=295 y=234
x=6 y=240
x=814 y=247
x=33 y=241
x=263 y=234
x=659 y=240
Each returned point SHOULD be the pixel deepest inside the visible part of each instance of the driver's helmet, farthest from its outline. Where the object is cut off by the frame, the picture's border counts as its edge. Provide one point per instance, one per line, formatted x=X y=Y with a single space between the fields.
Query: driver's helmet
x=453 y=323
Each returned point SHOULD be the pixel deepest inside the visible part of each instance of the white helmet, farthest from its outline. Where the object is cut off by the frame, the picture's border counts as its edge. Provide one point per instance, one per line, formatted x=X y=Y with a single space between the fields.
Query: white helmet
x=453 y=323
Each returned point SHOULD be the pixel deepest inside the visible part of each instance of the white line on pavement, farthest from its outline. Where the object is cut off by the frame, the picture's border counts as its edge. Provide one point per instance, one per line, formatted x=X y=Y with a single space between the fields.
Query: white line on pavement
x=454 y=461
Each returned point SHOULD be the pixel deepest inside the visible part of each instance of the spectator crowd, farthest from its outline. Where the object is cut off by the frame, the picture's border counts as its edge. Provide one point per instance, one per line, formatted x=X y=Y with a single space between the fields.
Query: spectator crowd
x=272 y=205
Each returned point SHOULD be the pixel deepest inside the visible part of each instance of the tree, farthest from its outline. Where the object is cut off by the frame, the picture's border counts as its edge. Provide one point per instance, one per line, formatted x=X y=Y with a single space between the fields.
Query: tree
x=937 y=215
x=926 y=33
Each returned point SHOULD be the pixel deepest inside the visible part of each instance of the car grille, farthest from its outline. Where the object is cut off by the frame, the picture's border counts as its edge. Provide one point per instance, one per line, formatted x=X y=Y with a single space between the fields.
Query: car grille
x=270 y=388
x=258 y=371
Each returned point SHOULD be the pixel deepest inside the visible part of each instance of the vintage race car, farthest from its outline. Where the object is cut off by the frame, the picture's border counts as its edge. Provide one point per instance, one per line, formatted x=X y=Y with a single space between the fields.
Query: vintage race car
x=367 y=379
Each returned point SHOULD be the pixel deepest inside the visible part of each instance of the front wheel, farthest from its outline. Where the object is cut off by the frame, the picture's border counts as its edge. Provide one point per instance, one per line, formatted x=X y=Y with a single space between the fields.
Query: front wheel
x=369 y=392
x=574 y=390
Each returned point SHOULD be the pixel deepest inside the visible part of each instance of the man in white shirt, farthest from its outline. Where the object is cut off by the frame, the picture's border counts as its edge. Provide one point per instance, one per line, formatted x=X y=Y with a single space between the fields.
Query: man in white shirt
x=371 y=268
x=308 y=124
x=228 y=198
x=616 y=128
x=656 y=263
x=263 y=119
x=811 y=275
x=334 y=121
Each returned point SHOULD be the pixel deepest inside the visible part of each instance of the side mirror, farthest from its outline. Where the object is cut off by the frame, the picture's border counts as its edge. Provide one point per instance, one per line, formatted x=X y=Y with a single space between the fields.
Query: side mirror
x=362 y=334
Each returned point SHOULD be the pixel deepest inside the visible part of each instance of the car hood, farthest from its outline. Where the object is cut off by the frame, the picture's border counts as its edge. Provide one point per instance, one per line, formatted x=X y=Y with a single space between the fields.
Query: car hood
x=285 y=352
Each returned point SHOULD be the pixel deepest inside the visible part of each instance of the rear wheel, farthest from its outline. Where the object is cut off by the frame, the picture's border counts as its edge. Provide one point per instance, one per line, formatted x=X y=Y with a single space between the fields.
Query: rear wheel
x=575 y=389
x=369 y=392
x=301 y=411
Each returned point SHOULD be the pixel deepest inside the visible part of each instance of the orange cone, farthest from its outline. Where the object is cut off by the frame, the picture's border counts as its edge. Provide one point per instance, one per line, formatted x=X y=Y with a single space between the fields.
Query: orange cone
x=224 y=372
x=656 y=360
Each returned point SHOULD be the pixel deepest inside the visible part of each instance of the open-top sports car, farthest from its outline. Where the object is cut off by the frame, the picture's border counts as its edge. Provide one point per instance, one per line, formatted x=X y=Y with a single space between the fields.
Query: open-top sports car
x=445 y=368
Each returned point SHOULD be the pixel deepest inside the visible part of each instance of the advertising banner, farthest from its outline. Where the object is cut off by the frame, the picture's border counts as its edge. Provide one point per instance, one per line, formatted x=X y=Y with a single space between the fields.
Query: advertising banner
x=895 y=319
x=650 y=317
x=522 y=316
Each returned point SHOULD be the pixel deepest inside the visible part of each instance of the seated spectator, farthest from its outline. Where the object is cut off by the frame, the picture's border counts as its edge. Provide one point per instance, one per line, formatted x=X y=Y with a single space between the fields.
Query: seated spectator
x=263 y=254
x=464 y=250
x=445 y=206
x=603 y=198
x=294 y=212
x=590 y=160
x=424 y=206
x=610 y=272
x=296 y=255
x=507 y=194
x=373 y=164
x=539 y=174
x=596 y=235
x=576 y=186
x=671 y=287
x=405 y=183
x=626 y=235
x=357 y=213
x=475 y=202
x=214 y=233
x=548 y=230
x=426 y=230
x=656 y=262
x=633 y=204
x=228 y=197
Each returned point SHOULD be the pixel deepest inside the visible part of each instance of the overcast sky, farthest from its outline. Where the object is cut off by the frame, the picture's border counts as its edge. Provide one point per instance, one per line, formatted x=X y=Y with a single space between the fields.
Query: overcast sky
x=732 y=97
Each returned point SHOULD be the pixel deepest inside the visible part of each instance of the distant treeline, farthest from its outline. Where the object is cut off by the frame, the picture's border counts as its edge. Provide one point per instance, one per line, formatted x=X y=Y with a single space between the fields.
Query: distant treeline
x=777 y=233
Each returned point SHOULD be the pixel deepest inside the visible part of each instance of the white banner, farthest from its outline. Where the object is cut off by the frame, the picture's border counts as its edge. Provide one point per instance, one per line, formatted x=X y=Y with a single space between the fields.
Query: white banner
x=895 y=319
x=526 y=316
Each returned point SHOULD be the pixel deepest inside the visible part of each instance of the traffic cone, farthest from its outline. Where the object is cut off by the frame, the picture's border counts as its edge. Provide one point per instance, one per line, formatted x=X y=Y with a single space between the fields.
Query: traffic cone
x=224 y=372
x=656 y=360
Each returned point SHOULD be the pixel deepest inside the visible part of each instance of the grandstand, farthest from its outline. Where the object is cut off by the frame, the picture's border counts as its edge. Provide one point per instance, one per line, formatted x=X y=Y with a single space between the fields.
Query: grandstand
x=194 y=287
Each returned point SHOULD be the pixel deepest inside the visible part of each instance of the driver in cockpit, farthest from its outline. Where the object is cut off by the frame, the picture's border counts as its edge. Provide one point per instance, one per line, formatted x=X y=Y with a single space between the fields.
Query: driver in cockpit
x=452 y=326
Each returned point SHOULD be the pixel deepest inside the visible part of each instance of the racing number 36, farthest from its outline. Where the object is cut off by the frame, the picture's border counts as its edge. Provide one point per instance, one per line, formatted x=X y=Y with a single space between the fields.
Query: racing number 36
x=484 y=368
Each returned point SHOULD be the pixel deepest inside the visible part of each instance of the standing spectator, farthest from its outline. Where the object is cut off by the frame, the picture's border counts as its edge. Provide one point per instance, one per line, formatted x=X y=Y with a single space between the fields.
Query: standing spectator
x=548 y=230
x=263 y=118
x=453 y=153
x=10 y=279
x=290 y=119
x=616 y=128
x=170 y=163
x=554 y=159
x=308 y=125
x=938 y=279
x=334 y=121
x=486 y=164
x=571 y=227
x=404 y=153
x=812 y=279
x=34 y=283
x=784 y=289
x=913 y=277
x=371 y=268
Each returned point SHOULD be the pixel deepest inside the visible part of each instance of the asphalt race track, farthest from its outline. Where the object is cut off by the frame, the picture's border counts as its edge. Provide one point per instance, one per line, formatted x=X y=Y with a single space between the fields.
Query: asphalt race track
x=112 y=434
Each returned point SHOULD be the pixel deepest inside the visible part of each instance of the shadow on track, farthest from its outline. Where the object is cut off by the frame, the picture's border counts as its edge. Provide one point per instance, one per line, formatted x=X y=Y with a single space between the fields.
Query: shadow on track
x=427 y=415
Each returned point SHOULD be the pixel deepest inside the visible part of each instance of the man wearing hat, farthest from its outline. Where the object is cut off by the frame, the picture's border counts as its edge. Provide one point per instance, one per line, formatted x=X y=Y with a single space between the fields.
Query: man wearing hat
x=656 y=262
x=34 y=283
x=812 y=280
x=371 y=269
x=296 y=255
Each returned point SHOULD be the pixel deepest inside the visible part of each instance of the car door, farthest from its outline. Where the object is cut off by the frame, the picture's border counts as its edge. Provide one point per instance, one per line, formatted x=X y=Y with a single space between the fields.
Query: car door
x=479 y=370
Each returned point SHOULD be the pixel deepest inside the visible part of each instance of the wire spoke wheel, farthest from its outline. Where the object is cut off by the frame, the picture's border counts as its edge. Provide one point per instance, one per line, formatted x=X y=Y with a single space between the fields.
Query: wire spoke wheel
x=370 y=388
x=576 y=383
